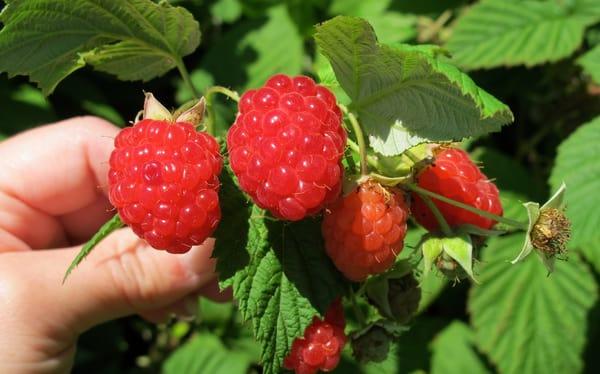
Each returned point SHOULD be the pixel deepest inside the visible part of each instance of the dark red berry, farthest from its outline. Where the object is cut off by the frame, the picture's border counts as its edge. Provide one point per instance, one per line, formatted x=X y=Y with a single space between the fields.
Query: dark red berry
x=456 y=177
x=364 y=231
x=286 y=145
x=321 y=346
x=163 y=180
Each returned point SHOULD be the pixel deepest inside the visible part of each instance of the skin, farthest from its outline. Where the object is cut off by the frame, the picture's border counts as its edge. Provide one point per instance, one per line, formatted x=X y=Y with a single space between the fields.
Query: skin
x=52 y=199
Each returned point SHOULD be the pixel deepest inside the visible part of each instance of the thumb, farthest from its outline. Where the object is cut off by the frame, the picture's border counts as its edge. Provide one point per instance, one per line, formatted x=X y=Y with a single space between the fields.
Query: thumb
x=122 y=276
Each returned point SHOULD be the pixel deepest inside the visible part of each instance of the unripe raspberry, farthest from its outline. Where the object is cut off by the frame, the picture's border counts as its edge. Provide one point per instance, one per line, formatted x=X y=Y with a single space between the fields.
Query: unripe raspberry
x=163 y=180
x=286 y=145
x=364 y=231
x=456 y=177
x=321 y=346
x=402 y=300
x=372 y=345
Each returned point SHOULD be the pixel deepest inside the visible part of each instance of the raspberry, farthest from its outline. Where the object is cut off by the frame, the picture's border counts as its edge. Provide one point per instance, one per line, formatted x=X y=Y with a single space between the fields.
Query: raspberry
x=364 y=231
x=455 y=176
x=403 y=297
x=321 y=346
x=163 y=181
x=371 y=346
x=286 y=145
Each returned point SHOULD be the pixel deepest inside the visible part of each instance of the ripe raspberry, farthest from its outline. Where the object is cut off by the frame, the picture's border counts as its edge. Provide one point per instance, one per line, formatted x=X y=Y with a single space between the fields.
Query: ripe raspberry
x=286 y=145
x=364 y=231
x=163 y=181
x=322 y=344
x=455 y=176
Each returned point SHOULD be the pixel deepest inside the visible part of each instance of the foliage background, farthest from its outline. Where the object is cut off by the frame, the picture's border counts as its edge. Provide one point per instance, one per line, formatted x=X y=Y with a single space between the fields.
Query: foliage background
x=517 y=320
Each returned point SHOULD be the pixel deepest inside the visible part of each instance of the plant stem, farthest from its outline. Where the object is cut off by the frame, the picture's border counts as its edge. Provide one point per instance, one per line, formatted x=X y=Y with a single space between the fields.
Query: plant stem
x=370 y=159
x=224 y=91
x=438 y=215
x=507 y=221
x=357 y=312
x=210 y=111
x=360 y=138
x=186 y=77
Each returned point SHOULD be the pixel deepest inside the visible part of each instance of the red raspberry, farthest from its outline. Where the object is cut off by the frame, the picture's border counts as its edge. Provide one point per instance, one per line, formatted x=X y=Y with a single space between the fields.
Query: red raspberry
x=286 y=145
x=456 y=177
x=364 y=231
x=322 y=344
x=163 y=180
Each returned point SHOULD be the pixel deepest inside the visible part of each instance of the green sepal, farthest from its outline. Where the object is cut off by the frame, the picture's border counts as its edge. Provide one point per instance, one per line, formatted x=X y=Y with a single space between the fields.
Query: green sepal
x=458 y=247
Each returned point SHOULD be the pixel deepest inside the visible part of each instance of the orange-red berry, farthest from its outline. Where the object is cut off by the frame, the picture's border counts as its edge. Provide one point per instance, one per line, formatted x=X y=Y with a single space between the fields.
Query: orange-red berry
x=364 y=231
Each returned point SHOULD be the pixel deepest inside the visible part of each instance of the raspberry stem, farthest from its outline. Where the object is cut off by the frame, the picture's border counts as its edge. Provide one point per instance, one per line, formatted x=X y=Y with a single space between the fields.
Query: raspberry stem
x=446 y=230
x=426 y=193
x=370 y=159
x=186 y=77
x=210 y=111
x=356 y=309
x=360 y=138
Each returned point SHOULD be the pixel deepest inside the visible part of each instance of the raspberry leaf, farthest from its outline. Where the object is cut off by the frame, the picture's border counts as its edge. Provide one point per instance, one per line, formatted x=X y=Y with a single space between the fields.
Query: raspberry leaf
x=288 y=280
x=455 y=341
x=577 y=165
x=590 y=62
x=110 y=226
x=405 y=95
x=206 y=353
x=230 y=247
x=134 y=40
x=519 y=332
x=510 y=32
x=252 y=51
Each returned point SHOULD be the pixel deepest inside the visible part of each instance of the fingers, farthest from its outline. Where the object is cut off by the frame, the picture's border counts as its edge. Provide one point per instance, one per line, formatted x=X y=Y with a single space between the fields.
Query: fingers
x=55 y=171
x=121 y=276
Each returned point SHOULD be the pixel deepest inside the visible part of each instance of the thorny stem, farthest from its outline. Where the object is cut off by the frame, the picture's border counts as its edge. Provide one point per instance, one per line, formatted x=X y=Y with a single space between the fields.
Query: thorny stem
x=507 y=221
x=186 y=77
x=210 y=110
x=360 y=138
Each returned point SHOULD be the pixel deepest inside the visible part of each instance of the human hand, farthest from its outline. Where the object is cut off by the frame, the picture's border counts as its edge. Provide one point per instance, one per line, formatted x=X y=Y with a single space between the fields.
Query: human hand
x=53 y=195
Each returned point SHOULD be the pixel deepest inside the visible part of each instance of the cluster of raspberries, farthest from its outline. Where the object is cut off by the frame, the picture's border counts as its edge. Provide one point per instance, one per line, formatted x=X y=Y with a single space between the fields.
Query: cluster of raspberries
x=285 y=148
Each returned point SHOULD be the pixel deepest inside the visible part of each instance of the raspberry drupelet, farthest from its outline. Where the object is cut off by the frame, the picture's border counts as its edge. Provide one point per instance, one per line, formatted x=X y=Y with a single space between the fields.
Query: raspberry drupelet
x=163 y=180
x=286 y=145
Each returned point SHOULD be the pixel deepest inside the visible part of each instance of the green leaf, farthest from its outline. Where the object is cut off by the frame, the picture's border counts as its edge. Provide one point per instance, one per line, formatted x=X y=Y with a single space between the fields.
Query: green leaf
x=525 y=321
x=405 y=95
x=590 y=62
x=577 y=165
x=205 y=353
x=390 y=26
x=453 y=351
x=518 y=32
x=232 y=235
x=252 y=51
x=110 y=226
x=227 y=11
x=135 y=40
x=289 y=279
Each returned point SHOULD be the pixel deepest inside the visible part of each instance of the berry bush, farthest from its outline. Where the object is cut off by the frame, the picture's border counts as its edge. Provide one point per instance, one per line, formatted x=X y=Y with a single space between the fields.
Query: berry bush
x=393 y=186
